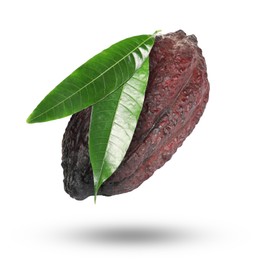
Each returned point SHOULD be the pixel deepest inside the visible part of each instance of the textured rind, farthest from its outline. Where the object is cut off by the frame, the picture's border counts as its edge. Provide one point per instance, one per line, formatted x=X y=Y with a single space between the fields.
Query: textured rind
x=175 y=99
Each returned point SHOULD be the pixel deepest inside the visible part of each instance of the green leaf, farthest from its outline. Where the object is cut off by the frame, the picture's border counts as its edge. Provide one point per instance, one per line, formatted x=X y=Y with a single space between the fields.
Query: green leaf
x=113 y=122
x=95 y=79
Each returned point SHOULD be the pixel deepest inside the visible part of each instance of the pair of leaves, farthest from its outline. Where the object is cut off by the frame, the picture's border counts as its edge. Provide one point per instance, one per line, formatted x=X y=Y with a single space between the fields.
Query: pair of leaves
x=114 y=83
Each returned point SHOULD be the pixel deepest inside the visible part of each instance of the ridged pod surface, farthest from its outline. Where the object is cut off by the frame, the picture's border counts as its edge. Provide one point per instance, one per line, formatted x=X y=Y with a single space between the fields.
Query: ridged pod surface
x=175 y=99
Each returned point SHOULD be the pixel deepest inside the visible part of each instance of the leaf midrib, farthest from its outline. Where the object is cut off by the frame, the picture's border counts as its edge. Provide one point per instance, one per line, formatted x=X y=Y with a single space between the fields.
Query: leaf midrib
x=100 y=75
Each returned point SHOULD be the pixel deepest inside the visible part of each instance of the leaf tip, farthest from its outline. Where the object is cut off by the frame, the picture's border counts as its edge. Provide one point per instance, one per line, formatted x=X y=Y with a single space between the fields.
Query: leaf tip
x=156 y=32
x=95 y=194
x=29 y=120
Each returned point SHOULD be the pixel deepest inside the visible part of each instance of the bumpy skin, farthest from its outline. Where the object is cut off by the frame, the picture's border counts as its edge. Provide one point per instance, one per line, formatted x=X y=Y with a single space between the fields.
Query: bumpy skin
x=176 y=97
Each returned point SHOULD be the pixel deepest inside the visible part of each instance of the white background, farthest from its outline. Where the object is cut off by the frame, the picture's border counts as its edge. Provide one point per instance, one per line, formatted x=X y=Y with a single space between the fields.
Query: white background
x=203 y=204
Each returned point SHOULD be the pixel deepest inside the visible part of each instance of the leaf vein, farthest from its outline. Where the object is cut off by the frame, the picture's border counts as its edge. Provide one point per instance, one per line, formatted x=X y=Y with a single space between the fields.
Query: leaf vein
x=133 y=100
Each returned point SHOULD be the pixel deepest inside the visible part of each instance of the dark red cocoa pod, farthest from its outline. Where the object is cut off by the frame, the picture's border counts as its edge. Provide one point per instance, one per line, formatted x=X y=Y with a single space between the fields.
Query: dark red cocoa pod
x=175 y=99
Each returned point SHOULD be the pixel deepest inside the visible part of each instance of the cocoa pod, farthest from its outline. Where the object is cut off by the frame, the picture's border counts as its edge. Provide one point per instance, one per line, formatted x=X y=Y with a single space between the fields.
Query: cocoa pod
x=176 y=96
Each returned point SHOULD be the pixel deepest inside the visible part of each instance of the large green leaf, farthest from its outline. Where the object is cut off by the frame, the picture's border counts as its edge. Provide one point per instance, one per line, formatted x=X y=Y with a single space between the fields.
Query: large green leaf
x=95 y=79
x=113 y=122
